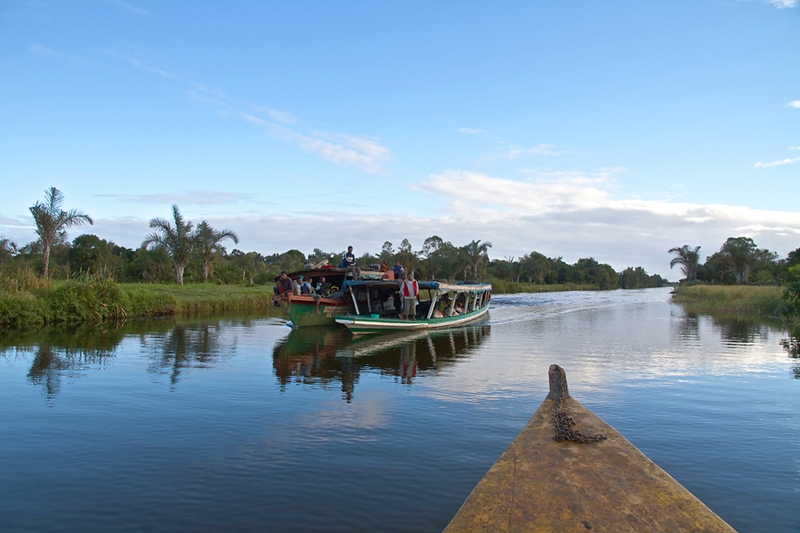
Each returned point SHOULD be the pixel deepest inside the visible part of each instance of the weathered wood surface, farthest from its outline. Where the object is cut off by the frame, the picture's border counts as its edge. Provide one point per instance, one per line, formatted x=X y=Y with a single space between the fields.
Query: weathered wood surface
x=540 y=485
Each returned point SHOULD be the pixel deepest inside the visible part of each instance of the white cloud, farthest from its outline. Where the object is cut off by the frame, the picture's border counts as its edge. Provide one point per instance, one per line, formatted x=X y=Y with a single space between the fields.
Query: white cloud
x=469 y=131
x=795 y=103
x=187 y=198
x=128 y=7
x=43 y=51
x=274 y=114
x=137 y=61
x=516 y=151
x=362 y=152
x=787 y=161
x=783 y=4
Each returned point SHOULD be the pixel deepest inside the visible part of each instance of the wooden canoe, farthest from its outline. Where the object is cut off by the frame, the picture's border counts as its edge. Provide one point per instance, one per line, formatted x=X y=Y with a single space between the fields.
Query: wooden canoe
x=540 y=485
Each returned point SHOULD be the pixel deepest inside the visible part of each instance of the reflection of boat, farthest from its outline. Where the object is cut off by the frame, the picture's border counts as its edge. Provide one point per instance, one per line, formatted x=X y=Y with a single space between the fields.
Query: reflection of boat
x=322 y=357
x=586 y=478
x=448 y=305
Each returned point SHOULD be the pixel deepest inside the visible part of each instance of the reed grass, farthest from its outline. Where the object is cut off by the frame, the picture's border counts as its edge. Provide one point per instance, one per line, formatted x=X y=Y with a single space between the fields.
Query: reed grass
x=765 y=301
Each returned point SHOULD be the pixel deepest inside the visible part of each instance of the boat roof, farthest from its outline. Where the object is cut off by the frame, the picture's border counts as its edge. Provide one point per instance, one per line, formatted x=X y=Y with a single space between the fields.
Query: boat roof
x=434 y=285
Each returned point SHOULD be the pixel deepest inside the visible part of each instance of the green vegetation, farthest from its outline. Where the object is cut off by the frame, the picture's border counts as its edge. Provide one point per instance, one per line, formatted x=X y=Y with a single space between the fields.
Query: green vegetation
x=94 y=300
x=762 y=300
x=740 y=278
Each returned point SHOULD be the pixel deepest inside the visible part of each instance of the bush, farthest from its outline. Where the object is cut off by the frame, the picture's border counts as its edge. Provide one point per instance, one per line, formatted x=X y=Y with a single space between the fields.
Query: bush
x=91 y=301
x=21 y=311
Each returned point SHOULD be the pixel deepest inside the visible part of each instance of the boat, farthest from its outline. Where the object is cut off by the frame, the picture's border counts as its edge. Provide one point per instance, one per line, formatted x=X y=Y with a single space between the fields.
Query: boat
x=568 y=471
x=375 y=306
x=314 y=309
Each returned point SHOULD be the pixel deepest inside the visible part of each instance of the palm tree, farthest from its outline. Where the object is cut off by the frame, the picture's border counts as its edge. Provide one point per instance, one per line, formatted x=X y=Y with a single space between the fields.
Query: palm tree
x=52 y=221
x=476 y=252
x=177 y=240
x=688 y=258
x=8 y=249
x=207 y=241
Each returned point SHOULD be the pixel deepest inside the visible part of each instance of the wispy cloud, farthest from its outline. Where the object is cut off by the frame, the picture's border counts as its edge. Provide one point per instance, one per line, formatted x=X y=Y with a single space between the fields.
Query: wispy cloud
x=787 y=161
x=136 y=60
x=274 y=114
x=361 y=152
x=128 y=7
x=366 y=153
x=795 y=103
x=469 y=131
x=515 y=152
x=43 y=51
x=783 y=4
x=187 y=198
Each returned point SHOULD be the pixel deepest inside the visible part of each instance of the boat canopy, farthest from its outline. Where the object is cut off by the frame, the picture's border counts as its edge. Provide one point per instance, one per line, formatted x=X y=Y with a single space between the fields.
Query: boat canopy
x=423 y=285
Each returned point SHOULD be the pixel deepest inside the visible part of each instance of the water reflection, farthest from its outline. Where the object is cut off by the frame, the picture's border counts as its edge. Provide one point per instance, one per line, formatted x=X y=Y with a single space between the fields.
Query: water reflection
x=67 y=353
x=62 y=353
x=325 y=357
x=791 y=344
x=186 y=346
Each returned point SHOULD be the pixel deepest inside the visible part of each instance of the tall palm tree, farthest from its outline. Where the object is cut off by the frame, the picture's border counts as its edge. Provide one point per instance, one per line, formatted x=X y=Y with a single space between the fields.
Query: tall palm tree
x=8 y=249
x=688 y=258
x=476 y=252
x=177 y=240
x=52 y=221
x=207 y=241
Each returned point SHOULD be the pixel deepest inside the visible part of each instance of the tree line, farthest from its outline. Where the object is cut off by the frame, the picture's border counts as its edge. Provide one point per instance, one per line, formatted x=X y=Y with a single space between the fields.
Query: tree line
x=177 y=250
x=738 y=261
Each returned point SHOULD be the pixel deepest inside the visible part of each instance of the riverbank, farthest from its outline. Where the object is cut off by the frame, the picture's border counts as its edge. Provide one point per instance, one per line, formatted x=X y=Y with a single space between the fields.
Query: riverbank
x=96 y=301
x=766 y=301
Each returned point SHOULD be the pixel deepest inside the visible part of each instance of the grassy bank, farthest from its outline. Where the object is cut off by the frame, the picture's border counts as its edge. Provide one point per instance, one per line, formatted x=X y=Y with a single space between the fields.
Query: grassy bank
x=765 y=301
x=29 y=303
x=500 y=286
x=97 y=301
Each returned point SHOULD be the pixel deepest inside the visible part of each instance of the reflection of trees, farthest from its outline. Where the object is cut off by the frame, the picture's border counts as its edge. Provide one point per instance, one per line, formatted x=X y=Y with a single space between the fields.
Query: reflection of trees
x=687 y=328
x=322 y=357
x=62 y=352
x=185 y=346
x=792 y=345
x=739 y=330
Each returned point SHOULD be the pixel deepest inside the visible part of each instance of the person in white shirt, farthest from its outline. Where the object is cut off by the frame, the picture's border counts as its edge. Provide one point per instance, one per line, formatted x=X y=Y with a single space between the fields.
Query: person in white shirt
x=409 y=291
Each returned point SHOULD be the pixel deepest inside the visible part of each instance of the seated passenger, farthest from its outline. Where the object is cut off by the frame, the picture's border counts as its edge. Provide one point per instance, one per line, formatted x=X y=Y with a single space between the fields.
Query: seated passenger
x=388 y=273
x=323 y=287
x=305 y=287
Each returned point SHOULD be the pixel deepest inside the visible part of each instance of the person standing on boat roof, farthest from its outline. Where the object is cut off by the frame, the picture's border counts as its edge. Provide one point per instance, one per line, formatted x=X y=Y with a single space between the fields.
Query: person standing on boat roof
x=388 y=273
x=409 y=290
x=349 y=263
x=398 y=270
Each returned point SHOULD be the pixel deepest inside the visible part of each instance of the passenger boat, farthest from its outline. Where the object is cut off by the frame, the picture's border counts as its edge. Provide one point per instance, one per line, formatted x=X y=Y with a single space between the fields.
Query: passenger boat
x=314 y=309
x=375 y=306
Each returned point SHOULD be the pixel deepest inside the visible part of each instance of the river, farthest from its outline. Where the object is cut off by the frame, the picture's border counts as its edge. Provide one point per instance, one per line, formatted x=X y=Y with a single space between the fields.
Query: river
x=241 y=424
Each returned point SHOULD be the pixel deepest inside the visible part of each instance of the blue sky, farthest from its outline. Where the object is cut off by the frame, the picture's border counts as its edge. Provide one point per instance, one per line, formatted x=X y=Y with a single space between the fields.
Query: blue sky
x=608 y=129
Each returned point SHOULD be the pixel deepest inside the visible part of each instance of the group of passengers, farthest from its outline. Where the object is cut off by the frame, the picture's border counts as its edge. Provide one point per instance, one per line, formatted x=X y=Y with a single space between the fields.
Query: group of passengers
x=286 y=286
x=408 y=293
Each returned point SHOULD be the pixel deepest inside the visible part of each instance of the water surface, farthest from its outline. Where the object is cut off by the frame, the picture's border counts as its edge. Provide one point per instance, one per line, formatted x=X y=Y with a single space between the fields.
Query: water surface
x=246 y=425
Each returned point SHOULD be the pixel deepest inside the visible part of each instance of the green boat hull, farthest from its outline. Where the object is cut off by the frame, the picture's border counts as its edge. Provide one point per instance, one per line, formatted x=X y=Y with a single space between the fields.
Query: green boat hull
x=304 y=312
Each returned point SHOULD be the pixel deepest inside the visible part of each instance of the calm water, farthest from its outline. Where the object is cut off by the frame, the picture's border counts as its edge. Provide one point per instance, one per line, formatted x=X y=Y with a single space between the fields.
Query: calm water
x=245 y=425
